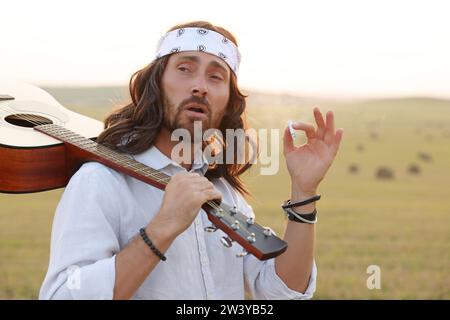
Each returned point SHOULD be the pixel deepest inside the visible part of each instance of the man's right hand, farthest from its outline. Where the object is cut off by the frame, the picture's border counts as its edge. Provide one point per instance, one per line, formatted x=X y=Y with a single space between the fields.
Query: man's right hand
x=184 y=195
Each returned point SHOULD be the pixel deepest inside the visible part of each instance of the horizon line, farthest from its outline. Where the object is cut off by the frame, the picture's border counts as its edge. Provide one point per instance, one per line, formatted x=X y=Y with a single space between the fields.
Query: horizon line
x=305 y=95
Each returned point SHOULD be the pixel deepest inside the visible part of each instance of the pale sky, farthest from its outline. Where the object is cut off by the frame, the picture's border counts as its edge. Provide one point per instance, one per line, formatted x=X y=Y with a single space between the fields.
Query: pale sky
x=323 y=48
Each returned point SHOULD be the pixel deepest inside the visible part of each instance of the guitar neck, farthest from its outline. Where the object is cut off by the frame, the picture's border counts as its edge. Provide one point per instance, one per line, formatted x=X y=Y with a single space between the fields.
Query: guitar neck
x=88 y=150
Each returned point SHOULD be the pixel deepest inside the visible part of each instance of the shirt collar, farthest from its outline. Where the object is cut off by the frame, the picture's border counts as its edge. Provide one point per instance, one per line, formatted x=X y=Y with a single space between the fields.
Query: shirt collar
x=155 y=159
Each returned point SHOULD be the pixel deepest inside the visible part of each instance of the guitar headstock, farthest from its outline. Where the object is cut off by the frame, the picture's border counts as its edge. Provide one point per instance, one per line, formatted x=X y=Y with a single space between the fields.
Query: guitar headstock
x=255 y=239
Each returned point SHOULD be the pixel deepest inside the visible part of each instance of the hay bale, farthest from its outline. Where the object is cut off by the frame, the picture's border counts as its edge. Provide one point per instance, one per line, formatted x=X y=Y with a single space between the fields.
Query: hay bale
x=374 y=135
x=424 y=156
x=414 y=169
x=385 y=173
x=353 y=168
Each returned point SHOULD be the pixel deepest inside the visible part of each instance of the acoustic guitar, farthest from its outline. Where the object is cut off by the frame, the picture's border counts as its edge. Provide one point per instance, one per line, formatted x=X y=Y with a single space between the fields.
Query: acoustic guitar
x=42 y=144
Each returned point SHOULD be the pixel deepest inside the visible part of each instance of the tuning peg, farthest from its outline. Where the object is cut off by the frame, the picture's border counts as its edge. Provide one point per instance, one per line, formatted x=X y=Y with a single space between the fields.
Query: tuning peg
x=235 y=225
x=219 y=213
x=242 y=254
x=211 y=228
x=233 y=210
x=251 y=238
x=226 y=241
x=267 y=232
x=250 y=220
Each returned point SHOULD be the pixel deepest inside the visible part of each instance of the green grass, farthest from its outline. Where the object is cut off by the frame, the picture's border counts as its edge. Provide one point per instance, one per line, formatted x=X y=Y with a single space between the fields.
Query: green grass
x=401 y=225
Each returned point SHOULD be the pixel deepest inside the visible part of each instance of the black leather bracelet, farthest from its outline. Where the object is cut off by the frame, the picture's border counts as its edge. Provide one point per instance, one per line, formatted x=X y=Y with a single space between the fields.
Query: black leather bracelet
x=288 y=203
x=150 y=244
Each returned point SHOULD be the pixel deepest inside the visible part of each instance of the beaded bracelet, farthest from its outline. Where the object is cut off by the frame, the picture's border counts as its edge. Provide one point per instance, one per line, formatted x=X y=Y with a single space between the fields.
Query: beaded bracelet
x=150 y=244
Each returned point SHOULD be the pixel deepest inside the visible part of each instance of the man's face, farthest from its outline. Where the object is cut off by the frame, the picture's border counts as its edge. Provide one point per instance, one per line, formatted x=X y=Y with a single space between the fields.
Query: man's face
x=196 y=88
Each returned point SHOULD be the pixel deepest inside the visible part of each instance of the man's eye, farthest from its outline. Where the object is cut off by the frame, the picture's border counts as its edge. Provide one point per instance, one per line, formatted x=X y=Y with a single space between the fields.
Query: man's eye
x=216 y=77
x=183 y=69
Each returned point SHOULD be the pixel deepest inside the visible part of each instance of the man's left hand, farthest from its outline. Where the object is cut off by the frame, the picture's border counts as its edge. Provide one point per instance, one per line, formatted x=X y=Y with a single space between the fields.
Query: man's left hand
x=308 y=163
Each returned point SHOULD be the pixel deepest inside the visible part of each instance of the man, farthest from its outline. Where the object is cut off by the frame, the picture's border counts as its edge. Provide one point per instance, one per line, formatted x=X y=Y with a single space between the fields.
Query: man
x=111 y=231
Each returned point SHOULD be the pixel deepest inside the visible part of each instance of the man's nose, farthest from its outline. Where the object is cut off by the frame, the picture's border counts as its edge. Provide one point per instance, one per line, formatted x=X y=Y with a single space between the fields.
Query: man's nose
x=199 y=87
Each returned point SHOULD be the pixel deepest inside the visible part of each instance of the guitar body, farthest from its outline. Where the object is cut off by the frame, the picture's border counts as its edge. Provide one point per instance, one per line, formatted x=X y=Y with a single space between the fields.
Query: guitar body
x=29 y=160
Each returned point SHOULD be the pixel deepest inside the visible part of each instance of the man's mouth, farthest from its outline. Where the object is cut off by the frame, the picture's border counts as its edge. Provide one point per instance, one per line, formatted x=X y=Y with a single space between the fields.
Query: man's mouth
x=197 y=108
x=197 y=111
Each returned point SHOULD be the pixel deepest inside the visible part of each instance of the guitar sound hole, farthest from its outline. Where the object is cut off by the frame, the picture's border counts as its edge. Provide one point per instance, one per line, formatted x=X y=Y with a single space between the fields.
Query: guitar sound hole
x=27 y=120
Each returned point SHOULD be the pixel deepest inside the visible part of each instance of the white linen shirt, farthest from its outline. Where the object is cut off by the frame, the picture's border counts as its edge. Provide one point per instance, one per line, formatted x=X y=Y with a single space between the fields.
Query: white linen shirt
x=102 y=209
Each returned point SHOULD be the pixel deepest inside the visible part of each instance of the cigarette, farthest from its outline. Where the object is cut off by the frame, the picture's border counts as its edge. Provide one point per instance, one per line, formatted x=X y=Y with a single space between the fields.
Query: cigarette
x=291 y=129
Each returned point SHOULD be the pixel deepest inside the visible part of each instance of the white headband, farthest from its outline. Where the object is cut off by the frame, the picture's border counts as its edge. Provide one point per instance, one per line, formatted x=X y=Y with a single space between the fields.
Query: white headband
x=200 y=39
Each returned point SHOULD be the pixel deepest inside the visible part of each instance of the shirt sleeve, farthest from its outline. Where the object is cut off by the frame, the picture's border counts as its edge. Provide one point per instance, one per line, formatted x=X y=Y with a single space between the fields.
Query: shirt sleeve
x=84 y=238
x=261 y=279
x=263 y=282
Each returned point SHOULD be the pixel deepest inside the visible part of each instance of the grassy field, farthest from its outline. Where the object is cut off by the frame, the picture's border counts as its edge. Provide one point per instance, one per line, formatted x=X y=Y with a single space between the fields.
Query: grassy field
x=400 y=224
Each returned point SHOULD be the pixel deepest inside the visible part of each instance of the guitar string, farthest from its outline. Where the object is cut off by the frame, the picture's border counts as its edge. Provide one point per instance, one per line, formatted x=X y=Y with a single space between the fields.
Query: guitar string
x=33 y=119
x=30 y=117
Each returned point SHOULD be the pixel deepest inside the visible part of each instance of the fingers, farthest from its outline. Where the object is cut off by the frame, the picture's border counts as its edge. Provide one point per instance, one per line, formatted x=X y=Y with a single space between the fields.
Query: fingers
x=203 y=189
x=320 y=123
x=205 y=185
x=190 y=176
x=208 y=195
x=329 y=128
x=336 y=141
x=325 y=131
x=309 y=130
x=189 y=180
x=206 y=188
x=194 y=179
x=211 y=194
x=288 y=142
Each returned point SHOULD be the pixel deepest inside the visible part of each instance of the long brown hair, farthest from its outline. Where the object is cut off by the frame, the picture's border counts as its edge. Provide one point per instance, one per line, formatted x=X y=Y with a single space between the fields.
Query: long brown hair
x=133 y=128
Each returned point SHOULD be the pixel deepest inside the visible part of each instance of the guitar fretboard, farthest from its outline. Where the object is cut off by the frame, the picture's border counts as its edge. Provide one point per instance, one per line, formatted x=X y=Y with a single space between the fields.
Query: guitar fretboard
x=119 y=159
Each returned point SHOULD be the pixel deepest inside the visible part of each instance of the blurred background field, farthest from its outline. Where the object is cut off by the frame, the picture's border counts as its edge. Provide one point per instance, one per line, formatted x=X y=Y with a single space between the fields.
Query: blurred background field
x=385 y=200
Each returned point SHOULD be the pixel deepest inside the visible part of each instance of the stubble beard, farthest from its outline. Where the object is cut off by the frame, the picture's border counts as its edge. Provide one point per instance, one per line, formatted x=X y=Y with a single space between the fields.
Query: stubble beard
x=175 y=119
